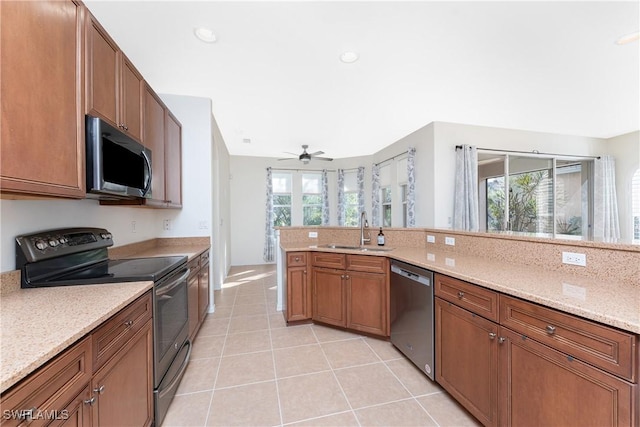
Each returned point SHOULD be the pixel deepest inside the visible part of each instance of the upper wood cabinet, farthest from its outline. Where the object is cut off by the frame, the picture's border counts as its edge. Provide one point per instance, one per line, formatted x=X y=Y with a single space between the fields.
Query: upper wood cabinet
x=41 y=92
x=114 y=86
x=173 y=161
x=154 y=139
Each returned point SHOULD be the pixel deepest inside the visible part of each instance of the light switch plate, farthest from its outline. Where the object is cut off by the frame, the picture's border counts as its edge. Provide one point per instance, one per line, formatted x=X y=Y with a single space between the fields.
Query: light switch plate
x=431 y=239
x=450 y=241
x=313 y=234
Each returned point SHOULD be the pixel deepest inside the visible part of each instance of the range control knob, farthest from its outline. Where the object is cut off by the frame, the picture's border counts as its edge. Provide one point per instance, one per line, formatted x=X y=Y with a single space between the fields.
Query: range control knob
x=53 y=242
x=63 y=240
x=105 y=235
x=41 y=244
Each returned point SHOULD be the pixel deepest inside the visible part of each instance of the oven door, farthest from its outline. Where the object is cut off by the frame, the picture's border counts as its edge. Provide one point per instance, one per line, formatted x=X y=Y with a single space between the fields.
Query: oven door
x=170 y=320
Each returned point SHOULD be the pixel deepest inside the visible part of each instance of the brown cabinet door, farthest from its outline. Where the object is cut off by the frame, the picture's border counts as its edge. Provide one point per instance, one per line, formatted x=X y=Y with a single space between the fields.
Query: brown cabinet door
x=77 y=413
x=123 y=387
x=173 y=161
x=367 y=302
x=329 y=302
x=192 y=302
x=132 y=89
x=540 y=386
x=298 y=295
x=467 y=360
x=102 y=74
x=203 y=291
x=154 y=140
x=42 y=139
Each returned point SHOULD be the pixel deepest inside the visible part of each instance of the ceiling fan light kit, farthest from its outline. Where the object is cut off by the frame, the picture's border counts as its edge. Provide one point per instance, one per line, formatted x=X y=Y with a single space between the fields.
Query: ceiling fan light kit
x=306 y=157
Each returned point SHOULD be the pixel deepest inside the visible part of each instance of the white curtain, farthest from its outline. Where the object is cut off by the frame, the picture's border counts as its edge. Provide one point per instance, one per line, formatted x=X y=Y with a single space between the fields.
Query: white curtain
x=465 y=203
x=605 y=202
x=360 y=179
x=325 y=197
x=269 y=235
x=341 y=212
x=375 y=196
x=411 y=187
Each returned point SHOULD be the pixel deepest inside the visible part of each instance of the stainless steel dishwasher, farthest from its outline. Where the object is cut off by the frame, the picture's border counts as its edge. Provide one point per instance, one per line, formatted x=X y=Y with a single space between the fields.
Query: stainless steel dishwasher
x=412 y=314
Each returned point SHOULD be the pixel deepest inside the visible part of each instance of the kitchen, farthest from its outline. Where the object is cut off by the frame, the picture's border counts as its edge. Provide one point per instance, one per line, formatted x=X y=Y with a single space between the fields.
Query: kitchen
x=210 y=165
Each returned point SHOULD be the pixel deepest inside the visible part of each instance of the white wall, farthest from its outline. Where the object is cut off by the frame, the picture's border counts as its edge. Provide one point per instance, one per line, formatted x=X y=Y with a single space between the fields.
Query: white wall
x=626 y=150
x=221 y=223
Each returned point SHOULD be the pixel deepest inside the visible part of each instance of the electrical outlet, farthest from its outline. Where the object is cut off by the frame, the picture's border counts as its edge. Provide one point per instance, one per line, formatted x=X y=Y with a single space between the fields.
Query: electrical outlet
x=202 y=225
x=450 y=262
x=431 y=257
x=313 y=234
x=574 y=258
x=431 y=239
x=166 y=224
x=450 y=241
x=133 y=226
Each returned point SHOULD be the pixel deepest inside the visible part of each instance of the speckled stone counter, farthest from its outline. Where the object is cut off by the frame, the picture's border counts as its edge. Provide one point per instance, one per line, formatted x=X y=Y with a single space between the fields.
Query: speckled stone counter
x=37 y=324
x=614 y=303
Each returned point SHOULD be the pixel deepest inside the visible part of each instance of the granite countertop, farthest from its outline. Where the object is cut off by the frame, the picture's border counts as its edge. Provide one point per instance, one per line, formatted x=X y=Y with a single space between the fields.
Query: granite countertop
x=611 y=303
x=37 y=324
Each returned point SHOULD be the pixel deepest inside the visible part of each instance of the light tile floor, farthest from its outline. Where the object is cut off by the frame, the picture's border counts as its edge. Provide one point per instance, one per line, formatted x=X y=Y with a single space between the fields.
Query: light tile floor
x=248 y=368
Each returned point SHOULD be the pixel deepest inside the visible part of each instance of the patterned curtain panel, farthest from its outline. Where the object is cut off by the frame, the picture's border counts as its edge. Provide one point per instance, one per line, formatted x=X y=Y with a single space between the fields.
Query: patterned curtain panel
x=269 y=235
x=341 y=211
x=375 y=197
x=325 y=197
x=360 y=178
x=465 y=202
x=605 y=202
x=411 y=190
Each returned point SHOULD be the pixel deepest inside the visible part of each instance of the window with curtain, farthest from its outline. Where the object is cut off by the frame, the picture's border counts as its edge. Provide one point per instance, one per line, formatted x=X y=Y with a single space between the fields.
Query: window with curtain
x=386 y=206
x=402 y=178
x=281 y=199
x=312 y=199
x=635 y=202
x=351 y=214
x=404 y=190
x=536 y=194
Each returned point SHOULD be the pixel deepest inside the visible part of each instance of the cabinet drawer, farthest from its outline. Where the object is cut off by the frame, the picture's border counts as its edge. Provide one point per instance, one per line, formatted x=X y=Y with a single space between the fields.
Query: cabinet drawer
x=599 y=345
x=52 y=387
x=296 y=259
x=194 y=266
x=329 y=260
x=476 y=299
x=115 y=332
x=370 y=264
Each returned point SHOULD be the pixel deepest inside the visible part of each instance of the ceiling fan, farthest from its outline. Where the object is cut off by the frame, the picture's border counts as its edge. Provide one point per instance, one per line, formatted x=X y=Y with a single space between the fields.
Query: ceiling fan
x=306 y=157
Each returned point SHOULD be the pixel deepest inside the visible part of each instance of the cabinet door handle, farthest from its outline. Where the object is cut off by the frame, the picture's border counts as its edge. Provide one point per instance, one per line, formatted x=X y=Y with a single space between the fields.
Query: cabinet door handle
x=297 y=258
x=99 y=390
x=492 y=335
x=460 y=294
x=128 y=323
x=551 y=329
x=347 y=277
x=304 y=272
x=501 y=340
x=91 y=401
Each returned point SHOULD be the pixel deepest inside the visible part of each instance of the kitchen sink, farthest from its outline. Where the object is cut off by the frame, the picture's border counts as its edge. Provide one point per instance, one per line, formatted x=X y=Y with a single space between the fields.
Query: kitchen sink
x=355 y=248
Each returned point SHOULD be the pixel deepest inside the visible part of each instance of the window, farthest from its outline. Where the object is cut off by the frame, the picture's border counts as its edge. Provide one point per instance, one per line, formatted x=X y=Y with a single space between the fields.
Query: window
x=545 y=195
x=351 y=214
x=386 y=206
x=281 y=199
x=635 y=201
x=312 y=199
x=404 y=192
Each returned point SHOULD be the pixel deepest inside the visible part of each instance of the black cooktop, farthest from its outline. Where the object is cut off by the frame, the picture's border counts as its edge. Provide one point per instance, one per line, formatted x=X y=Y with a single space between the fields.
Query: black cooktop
x=79 y=256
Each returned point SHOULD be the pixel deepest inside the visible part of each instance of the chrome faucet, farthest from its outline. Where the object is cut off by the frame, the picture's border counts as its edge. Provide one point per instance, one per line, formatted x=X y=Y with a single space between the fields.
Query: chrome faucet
x=364 y=224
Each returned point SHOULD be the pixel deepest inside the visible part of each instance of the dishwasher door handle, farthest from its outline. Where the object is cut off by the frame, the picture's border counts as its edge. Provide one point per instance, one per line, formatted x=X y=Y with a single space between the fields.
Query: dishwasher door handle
x=411 y=275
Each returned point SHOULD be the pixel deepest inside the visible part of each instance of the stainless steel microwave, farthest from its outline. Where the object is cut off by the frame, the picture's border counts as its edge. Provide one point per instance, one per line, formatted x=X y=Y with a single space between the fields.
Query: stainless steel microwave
x=117 y=166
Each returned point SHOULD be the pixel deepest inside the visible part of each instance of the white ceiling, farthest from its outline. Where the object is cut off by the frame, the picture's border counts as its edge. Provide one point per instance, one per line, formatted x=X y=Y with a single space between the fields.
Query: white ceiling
x=274 y=76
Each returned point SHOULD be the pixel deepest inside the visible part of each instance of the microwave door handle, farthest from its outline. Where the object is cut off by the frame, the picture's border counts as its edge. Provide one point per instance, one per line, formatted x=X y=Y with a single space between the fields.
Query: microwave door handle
x=148 y=163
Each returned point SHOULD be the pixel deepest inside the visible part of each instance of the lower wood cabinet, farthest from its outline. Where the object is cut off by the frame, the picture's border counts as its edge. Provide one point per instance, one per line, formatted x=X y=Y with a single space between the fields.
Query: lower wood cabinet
x=298 y=293
x=545 y=369
x=356 y=298
x=198 y=292
x=76 y=389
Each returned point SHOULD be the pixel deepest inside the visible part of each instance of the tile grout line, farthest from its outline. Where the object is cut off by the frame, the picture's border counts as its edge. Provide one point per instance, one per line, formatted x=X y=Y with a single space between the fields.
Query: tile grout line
x=335 y=377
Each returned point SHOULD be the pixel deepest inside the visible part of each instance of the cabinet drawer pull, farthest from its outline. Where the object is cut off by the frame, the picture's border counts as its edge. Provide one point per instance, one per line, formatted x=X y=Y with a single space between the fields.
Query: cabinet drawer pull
x=297 y=258
x=551 y=329
x=492 y=335
x=91 y=401
x=128 y=323
x=99 y=390
x=460 y=294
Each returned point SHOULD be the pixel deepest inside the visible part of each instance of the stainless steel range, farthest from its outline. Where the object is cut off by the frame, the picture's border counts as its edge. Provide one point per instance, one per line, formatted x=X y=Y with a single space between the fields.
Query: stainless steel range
x=78 y=256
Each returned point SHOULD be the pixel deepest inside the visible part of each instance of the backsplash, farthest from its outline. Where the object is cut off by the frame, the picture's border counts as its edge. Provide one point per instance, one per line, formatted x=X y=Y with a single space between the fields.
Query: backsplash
x=603 y=261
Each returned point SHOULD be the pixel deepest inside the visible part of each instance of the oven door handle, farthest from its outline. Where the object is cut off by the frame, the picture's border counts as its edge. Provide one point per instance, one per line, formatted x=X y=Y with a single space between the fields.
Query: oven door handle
x=165 y=289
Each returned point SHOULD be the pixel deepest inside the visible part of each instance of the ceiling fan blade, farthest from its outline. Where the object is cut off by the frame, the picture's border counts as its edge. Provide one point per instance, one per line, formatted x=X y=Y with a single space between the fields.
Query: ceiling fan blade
x=328 y=159
x=289 y=158
x=317 y=153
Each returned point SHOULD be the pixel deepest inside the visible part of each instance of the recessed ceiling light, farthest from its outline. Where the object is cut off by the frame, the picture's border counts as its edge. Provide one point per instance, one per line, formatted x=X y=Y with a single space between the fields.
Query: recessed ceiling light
x=205 y=34
x=349 y=57
x=628 y=38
